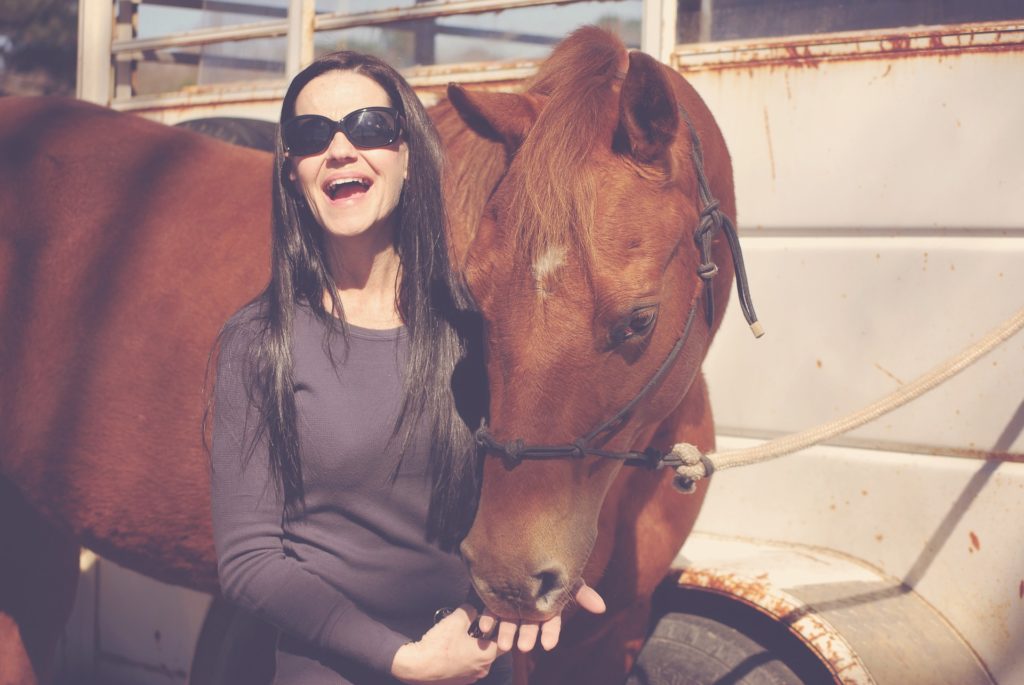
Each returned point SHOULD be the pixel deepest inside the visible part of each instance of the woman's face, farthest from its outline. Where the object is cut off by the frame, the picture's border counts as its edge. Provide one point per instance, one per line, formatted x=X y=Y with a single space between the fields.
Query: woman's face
x=349 y=209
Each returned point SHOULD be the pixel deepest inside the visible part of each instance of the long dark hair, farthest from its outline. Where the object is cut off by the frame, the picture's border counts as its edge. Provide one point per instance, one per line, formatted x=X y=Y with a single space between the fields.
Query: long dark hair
x=429 y=300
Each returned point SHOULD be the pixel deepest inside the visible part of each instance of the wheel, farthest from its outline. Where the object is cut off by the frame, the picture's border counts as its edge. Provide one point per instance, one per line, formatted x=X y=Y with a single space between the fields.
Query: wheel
x=720 y=642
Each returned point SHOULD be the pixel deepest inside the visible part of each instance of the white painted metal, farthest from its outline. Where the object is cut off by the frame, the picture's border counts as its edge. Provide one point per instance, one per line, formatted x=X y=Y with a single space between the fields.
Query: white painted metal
x=301 y=15
x=850 y=318
x=882 y=234
x=849 y=134
x=658 y=37
x=94 y=71
x=127 y=628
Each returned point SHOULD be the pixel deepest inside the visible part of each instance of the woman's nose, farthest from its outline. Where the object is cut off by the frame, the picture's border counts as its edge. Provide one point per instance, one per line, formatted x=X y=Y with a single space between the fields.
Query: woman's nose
x=341 y=147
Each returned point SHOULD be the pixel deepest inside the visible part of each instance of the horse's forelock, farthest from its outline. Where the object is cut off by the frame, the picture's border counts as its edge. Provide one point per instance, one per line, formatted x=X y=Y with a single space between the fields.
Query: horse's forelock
x=553 y=189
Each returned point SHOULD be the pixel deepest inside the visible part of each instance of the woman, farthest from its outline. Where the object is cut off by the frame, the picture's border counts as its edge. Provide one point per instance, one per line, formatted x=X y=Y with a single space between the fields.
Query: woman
x=343 y=475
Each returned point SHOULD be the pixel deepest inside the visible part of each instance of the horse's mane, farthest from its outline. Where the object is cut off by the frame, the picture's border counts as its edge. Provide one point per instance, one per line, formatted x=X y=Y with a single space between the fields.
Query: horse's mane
x=554 y=190
x=475 y=165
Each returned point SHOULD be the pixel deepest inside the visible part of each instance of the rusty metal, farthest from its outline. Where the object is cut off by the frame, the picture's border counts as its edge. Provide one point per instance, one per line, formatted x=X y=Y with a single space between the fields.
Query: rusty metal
x=816 y=633
x=810 y=51
x=865 y=626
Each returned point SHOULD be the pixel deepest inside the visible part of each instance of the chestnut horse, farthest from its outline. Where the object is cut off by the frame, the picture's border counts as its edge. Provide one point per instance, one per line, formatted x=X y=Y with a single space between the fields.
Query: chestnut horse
x=578 y=205
x=125 y=244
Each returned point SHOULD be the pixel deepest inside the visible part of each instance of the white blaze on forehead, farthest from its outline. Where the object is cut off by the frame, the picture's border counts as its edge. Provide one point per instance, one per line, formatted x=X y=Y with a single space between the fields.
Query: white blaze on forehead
x=546 y=266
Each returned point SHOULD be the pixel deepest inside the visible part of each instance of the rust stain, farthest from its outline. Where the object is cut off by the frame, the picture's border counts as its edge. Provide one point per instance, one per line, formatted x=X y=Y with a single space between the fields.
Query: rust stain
x=768 y=136
x=1020 y=592
x=818 y=363
x=804 y=622
x=975 y=542
x=757 y=592
x=809 y=52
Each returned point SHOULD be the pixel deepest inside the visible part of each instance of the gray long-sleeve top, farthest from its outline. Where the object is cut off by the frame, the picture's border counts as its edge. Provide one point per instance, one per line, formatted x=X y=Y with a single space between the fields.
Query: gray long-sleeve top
x=351 y=578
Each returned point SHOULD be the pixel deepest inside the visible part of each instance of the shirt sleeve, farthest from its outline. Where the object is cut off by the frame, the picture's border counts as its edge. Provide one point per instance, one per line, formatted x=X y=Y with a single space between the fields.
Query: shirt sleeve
x=254 y=570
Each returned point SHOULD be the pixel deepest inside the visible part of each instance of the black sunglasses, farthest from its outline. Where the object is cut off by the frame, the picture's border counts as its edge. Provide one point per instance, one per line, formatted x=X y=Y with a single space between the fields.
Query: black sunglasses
x=368 y=127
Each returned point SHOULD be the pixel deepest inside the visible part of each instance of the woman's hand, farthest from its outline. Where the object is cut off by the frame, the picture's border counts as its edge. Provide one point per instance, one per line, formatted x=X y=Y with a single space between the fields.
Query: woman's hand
x=548 y=631
x=446 y=654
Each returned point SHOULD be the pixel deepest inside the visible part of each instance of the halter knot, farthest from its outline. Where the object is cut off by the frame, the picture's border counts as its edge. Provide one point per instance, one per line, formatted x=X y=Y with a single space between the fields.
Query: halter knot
x=513 y=452
x=710 y=209
x=579 y=448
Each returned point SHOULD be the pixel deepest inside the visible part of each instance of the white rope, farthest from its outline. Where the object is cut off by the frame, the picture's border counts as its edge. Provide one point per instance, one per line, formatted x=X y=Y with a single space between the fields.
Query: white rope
x=695 y=465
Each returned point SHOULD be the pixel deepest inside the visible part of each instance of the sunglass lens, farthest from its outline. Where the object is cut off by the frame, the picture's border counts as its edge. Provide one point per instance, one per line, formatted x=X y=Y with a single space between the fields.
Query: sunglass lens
x=371 y=128
x=308 y=135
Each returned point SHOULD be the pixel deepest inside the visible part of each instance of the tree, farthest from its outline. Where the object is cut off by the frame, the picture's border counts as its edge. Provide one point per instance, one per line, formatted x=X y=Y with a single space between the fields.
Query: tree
x=38 y=46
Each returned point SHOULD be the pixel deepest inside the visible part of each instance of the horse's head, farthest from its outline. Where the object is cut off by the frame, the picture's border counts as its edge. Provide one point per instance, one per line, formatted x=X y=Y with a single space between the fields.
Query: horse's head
x=585 y=268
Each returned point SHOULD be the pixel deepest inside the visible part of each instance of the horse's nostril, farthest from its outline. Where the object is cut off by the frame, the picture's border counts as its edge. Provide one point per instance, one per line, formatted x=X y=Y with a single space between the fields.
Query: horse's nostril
x=550 y=581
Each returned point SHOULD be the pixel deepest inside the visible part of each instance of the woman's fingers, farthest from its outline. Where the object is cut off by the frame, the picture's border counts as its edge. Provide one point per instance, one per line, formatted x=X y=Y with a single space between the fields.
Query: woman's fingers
x=528 y=632
x=588 y=599
x=527 y=636
x=549 y=632
x=506 y=635
x=486 y=622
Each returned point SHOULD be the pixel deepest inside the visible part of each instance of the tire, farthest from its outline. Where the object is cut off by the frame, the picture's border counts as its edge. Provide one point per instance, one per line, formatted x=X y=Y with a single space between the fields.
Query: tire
x=719 y=642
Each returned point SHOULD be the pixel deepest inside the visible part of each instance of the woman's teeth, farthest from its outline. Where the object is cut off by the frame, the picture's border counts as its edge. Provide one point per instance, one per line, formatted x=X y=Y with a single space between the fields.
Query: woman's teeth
x=346 y=186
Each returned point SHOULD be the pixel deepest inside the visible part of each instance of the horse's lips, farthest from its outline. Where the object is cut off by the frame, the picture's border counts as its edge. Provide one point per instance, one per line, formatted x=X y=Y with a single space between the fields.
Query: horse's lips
x=496 y=606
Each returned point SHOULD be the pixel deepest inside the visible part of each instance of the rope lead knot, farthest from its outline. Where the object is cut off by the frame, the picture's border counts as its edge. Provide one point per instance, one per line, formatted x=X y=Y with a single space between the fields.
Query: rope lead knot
x=693 y=466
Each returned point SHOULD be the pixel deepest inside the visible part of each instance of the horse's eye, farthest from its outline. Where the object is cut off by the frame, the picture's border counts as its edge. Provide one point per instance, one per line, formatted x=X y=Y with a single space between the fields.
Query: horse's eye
x=643 y=319
x=638 y=324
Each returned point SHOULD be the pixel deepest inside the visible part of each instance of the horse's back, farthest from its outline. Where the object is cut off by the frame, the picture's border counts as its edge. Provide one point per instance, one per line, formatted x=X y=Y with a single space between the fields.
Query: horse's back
x=124 y=246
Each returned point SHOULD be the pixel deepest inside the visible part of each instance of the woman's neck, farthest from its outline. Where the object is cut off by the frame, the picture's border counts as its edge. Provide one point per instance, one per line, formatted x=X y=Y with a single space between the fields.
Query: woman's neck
x=366 y=275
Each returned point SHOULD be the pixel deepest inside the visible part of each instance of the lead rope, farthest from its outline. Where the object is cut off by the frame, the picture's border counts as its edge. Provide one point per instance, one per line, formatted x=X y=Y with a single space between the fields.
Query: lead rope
x=697 y=465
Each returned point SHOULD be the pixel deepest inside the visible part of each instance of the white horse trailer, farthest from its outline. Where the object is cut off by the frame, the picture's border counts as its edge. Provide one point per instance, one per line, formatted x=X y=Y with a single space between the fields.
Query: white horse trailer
x=879 y=166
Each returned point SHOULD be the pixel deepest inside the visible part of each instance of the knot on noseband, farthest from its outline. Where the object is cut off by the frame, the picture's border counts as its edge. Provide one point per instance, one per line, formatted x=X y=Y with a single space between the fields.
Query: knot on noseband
x=579 y=448
x=512 y=453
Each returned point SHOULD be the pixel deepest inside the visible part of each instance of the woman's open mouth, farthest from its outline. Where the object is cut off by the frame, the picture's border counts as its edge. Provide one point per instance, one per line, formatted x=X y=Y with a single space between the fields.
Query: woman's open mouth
x=347 y=188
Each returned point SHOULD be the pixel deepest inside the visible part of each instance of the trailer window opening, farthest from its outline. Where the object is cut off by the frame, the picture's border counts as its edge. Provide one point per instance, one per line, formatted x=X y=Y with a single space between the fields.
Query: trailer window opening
x=514 y=34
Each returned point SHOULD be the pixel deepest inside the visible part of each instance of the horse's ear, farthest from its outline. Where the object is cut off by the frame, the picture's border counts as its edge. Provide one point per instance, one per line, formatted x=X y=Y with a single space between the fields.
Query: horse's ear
x=648 y=113
x=501 y=117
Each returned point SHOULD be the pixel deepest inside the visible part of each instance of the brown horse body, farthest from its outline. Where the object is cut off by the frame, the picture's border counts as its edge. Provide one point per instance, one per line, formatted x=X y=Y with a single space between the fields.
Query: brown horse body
x=126 y=244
